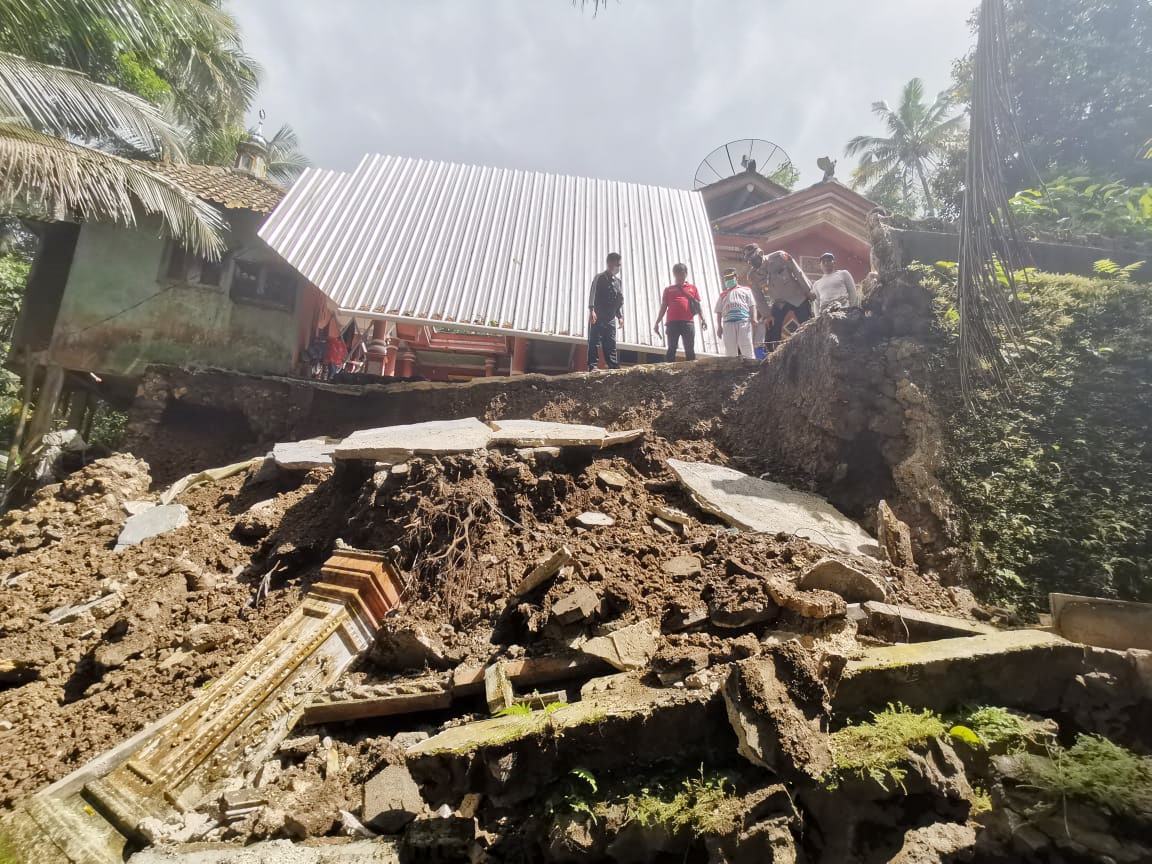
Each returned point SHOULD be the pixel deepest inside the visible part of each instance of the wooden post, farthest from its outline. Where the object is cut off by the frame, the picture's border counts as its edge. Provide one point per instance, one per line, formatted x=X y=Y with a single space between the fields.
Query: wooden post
x=489 y=367
x=46 y=402
x=77 y=410
x=519 y=355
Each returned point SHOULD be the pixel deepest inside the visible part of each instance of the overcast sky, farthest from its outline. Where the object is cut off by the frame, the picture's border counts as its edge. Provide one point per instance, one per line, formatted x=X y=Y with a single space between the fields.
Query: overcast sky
x=641 y=92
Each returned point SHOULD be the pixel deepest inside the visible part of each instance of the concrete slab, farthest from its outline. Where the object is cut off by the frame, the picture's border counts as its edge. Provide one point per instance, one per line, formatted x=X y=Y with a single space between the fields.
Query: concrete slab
x=627 y=648
x=379 y=851
x=394 y=444
x=854 y=585
x=905 y=624
x=1101 y=622
x=618 y=439
x=540 y=433
x=151 y=523
x=305 y=455
x=759 y=505
x=544 y=571
x=1024 y=669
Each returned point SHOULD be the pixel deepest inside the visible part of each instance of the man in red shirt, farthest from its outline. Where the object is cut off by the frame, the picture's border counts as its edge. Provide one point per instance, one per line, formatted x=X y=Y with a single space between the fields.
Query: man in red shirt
x=681 y=303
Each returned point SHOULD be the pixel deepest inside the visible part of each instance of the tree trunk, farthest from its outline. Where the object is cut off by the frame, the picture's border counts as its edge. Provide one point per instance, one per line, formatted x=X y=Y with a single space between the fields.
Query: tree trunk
x=929 y=206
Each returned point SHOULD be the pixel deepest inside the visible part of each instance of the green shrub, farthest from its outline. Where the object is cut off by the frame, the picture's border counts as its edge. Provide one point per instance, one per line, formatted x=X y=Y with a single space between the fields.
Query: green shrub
x=877 y=748
x=1050 y=479
x=1093 y=770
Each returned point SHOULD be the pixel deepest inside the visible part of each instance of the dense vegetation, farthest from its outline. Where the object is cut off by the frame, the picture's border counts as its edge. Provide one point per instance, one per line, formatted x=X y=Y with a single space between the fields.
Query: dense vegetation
x=1051 y=479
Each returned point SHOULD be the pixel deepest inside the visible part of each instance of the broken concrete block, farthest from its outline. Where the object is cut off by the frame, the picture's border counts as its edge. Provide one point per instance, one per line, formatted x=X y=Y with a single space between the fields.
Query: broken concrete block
x=613 y=480
x=1104 y=623
x=627 y=648
x=664 y=527
x=895 y=537
x=299 y=747
x=743 y=615
x=778 y=708
x=905 y=624
x=617 y=439
x=257 y=521
x=544 y=571
x=593 y=519
x=393 y=444
x=540 y=433
x=807 y=604
x=405 y=647
x=538 y=700
x=758 y=505
x=683 y=567
x=305 y=455
x=151 y=523
x=497 y=688
x=576 y=606
x=855 y=586
x=1024 y=669
x=379 y=851
x=683 y=619
x=669 y=514
x=391 y=800
x=937 y=843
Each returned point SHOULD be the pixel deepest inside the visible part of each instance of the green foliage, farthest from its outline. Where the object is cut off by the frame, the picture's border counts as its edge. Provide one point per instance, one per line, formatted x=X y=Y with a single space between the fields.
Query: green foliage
x=965 y=736
x=108 y=427
x=896 y=168
x=1075 y=206
x=521 y=710
x=13 y=279
x=1050 y=481
x=876 y=748
x=695 y=805
x=1080 y=84
x=786 y=175
x=578 y=794
x=996 y=725
x=1093 y=770
x=140 y=78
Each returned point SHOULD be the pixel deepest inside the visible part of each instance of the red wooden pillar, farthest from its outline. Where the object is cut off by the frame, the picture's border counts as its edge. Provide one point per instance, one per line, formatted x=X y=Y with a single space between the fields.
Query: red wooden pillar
x=489 y=367
x=579 y=359
x=390 y=360
x=377 y=349
x=519 y=355
x=407 y=361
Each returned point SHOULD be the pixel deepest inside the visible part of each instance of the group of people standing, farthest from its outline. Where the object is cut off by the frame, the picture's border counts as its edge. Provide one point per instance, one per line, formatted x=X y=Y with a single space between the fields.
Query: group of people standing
x=746 y=317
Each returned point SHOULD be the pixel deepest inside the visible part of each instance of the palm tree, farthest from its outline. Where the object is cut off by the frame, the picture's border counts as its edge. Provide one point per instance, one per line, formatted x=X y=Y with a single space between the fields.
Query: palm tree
x=920 y=135
x=57 y=125
x=285 y=161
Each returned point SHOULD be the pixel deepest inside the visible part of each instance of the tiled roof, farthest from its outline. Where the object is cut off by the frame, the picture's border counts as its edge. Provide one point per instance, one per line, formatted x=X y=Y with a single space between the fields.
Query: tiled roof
x=232 y=189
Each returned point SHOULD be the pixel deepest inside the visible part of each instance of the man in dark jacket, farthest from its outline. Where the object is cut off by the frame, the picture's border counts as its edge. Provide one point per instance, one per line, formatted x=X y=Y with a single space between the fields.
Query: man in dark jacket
x=605 y=311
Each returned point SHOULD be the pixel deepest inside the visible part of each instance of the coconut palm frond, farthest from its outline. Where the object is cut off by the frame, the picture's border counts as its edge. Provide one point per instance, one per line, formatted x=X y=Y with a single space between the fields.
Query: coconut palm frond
x=41 y=174
x=990 y=244
x=68 y=103
x=214 y=83
x=285 y=160
x=138 y=25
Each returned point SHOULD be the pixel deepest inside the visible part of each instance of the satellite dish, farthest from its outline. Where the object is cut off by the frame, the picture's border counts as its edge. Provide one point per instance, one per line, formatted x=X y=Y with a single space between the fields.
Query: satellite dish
x=747 y=155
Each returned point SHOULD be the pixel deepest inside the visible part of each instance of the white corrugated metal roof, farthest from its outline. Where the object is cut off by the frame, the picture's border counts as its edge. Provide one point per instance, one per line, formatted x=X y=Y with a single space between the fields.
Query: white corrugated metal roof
x=488 y=248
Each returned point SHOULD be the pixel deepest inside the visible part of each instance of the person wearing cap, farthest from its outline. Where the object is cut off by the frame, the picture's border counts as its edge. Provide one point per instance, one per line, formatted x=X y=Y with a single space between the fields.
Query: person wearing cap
x=736 y=317
x=784 y=284
x=836 y=288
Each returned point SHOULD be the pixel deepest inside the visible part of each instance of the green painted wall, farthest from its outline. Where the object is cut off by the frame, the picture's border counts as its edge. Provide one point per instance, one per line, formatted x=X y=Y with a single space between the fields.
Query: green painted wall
x=119 y=313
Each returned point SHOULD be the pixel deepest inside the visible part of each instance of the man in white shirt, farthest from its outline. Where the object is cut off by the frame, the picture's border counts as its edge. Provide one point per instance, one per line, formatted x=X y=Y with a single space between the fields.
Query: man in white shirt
x=836 y=288
x=736 y=317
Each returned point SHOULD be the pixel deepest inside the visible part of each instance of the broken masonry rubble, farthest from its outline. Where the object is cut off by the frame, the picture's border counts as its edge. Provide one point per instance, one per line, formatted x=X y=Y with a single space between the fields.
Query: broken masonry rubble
x=590 y=649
